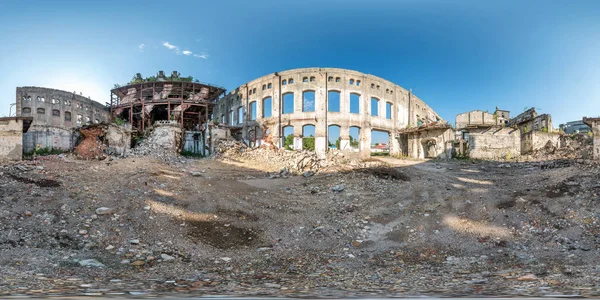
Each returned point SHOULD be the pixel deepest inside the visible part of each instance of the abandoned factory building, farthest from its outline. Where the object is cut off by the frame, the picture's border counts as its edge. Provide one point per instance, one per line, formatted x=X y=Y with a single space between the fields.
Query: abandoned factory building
x=309 y=102
x=55 y=114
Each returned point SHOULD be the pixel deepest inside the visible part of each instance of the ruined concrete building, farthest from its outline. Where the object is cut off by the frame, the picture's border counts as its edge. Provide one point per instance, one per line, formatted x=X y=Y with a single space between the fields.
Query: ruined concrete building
x=11 y=137
x=594 y=124
x=310 y=101
x=161 y=98
x=529 y=120
x=55 y=114
x=493 y=136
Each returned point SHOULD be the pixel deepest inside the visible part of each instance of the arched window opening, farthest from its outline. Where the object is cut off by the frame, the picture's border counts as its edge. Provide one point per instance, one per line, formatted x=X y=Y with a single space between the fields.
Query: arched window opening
x=358 y=83
x=56 y=113
x=252 y=110
x=67 y=116
x=88 y=120
x=333 y=136
x=330 y=79
x=308 y=137
x=288 y=103
x=79 y=119
x=304 y=79
x=354 y=137
x=284 y=82
x=291 y=81
x=41 y=111
x=270 y=85
x=351 y=81
x=288 y=137
x=337 y=79
x=354 y=103
x=26 y=110
x=264 y=87
x=333 y=101
x=308 y=101
x=372 y=85
x=388 y=110
x=374 y=107
x=266 y=107
x=254 y=91
x=312 y=78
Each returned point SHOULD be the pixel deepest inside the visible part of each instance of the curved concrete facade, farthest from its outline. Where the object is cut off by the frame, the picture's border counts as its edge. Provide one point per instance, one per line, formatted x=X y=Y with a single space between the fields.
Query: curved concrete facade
x=397 y=109
x=55 y=113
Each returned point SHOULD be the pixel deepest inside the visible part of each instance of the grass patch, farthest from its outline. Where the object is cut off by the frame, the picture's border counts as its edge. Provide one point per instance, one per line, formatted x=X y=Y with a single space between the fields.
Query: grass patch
x=380 y=154
x=44 y=151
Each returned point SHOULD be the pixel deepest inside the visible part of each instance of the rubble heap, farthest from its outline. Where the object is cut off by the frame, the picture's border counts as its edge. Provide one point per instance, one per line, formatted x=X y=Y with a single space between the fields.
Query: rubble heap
x=91 y=147
x=577 y=146
x=101 y=140
x=287 y=161
x=162 y=142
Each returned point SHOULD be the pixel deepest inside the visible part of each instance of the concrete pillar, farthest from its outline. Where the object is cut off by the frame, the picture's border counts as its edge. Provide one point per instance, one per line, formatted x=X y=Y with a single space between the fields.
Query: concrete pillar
x=394 y=145
x=365 y=129
x=594 y=123
x=297 y=143
x=321 y=116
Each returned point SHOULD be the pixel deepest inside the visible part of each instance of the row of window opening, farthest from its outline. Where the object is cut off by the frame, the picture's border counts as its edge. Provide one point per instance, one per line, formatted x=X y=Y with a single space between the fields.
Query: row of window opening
x=56 y=113
x=308 y=105
x=57 y=101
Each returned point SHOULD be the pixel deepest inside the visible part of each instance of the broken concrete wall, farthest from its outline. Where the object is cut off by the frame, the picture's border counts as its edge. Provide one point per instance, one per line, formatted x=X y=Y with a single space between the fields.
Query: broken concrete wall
x=594 y=123
x=167 y=135
x=494 y=143
x=475 y=117
x=536 y=140
x=118 y=139
x=217 y=133
x=11 y=139
x=436 y=143
x=49 y=137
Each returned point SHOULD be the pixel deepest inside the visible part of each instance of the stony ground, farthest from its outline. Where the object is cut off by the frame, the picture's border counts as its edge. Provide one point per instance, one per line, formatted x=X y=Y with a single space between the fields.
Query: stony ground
x=209 y=226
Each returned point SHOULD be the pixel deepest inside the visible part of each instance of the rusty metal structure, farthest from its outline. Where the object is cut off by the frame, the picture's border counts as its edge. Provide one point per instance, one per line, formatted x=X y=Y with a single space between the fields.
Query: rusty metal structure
x=144 y=101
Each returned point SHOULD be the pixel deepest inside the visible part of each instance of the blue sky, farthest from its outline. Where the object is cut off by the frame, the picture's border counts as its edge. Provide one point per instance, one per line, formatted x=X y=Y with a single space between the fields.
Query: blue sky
x=455 y=55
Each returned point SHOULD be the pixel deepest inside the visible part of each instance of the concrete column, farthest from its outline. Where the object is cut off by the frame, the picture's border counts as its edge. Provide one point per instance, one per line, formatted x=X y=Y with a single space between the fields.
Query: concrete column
x=394 y=145
x=297 y=143
x=365 y=129
x=321 y=115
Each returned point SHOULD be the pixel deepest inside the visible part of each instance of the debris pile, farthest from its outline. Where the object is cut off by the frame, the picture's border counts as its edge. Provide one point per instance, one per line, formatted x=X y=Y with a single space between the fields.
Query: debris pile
x=91 y=147
x=162 y=142
x=101 y=140
x=577 y=146
x=293 y=162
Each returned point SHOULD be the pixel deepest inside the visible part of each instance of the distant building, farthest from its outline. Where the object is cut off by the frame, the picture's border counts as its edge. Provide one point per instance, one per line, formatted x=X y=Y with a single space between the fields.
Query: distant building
x=529 y=120
x=575 y=127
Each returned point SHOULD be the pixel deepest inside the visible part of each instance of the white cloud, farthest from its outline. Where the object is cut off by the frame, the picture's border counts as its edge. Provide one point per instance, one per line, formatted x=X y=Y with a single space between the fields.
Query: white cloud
x=184 y=52
x=171 y=47
x=141 y=47
x=203 y=55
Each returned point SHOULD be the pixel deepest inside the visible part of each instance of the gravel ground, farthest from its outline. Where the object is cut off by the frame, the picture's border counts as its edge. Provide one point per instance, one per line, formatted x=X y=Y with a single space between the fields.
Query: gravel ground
x=387 y=228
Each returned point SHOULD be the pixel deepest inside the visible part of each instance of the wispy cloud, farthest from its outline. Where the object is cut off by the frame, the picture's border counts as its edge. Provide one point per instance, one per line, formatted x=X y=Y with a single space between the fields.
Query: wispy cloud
x=141 y=47
x=203 y=55
x=184 y=52
x=170 y=46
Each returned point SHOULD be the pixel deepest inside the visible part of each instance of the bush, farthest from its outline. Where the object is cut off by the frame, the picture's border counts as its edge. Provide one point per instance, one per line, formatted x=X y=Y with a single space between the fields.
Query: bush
x=308 y=143
x=288 y=143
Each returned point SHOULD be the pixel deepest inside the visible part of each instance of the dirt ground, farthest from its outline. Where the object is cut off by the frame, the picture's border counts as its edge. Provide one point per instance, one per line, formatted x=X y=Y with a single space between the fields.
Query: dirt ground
x=208 y=226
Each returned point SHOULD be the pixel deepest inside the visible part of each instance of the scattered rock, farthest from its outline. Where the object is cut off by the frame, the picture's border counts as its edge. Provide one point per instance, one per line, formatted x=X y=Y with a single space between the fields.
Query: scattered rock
x=338 y=188
x=166 y=257
x=103 y=211
x=91 y=263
